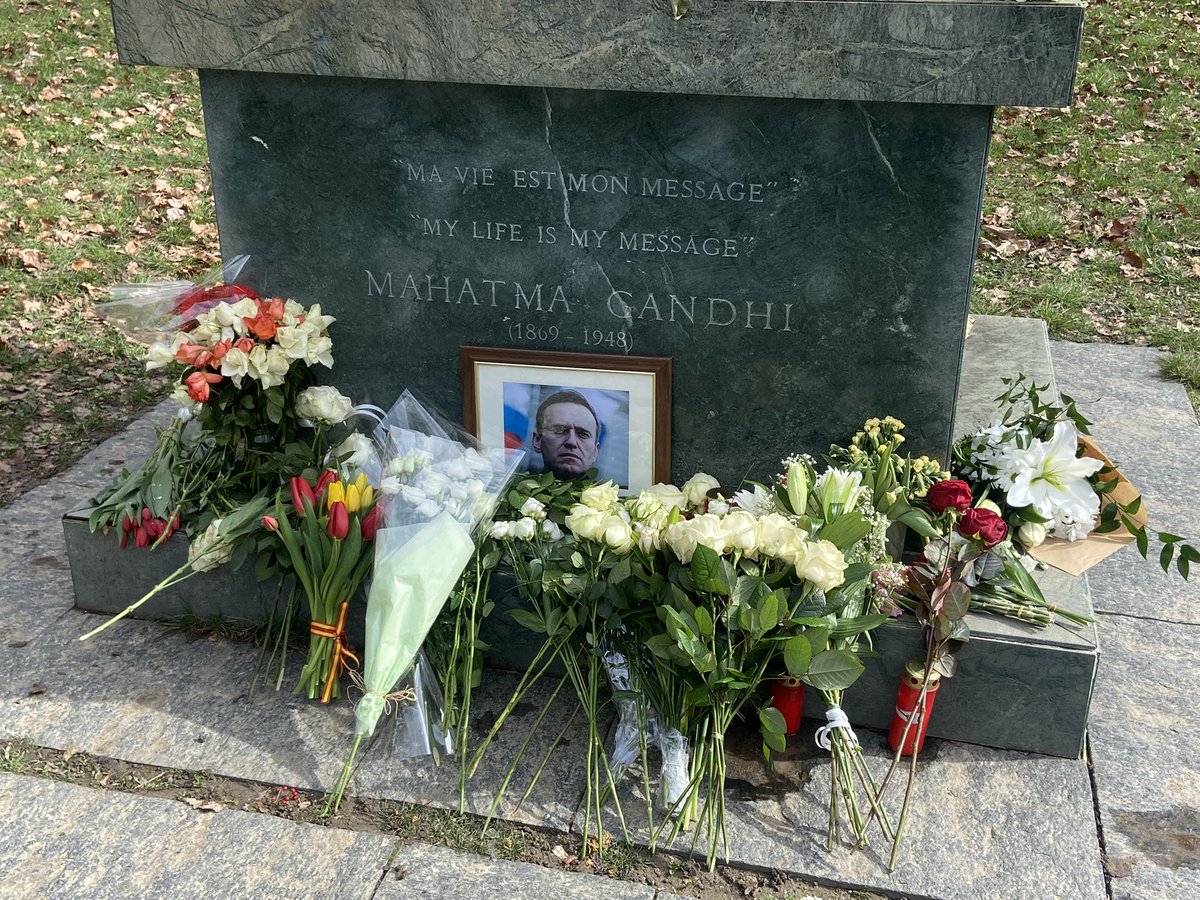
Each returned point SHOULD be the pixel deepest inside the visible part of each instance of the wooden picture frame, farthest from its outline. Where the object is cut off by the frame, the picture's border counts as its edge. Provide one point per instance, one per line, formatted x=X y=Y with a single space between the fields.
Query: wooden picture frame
x=628 y=397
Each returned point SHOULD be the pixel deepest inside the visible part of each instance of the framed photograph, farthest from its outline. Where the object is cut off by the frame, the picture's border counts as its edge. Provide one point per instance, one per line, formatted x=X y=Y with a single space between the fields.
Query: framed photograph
x=571 y=412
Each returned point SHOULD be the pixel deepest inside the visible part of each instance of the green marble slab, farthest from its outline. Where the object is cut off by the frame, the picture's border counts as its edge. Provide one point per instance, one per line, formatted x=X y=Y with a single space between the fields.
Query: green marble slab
x=983 y=52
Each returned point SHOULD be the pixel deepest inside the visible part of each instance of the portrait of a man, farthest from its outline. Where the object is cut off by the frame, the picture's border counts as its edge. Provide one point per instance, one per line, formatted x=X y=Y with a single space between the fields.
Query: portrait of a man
x=567 y=434
x=568 y=430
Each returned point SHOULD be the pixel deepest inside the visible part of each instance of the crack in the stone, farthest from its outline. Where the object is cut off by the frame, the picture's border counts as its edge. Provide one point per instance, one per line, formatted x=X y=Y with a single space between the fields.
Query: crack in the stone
x=562 y=182
x=879 y=150
x=1121 y=615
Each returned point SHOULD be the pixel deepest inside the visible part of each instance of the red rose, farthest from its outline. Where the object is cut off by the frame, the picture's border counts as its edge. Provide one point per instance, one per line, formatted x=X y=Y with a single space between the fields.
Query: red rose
x=949 y=494
x=983 y=524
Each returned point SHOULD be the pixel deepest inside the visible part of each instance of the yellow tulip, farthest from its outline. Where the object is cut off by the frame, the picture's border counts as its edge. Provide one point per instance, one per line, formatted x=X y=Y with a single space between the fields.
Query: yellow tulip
x=364 y=500
x=352 y=498
x=335 y=493
x=361 y=482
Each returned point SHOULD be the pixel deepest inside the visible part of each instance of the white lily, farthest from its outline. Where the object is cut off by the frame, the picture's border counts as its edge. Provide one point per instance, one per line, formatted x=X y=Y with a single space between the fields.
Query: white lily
x=1054 y=481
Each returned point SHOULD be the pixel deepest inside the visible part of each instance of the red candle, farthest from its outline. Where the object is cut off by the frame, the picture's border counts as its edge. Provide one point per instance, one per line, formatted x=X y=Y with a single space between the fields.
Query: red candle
x=787 y=696
x=906 y=708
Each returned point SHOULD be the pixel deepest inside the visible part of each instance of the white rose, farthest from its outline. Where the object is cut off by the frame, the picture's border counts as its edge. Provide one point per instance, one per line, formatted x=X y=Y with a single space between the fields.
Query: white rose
x=501 y=530
x=823 y=565
x=292 y=311
x=1031 y=534
x=243 y=309
x=600 y=496
x=158 y=355
x=317 y=322
x=649 y=537
x=457 y=470
x=587 y=523
x=533 y=509
x=208 y=550
x=320 y=350
x=411 y=495
x=235 y=365
x=324 y=404
x=435 y=484
x=618 y=534
x=292 y=341
x=681 y=538
x=355 y=451
x=739 y=528
x=226 y=316
x=644 y=506
x=551 y=531
x=525 y=529
x=707 y=530
x=428 y=509
x=794 y=548
x=208 y=331
x=390 y=486
x=695 y=492
x=771 y=532
x=181 y=396
x=668 y=495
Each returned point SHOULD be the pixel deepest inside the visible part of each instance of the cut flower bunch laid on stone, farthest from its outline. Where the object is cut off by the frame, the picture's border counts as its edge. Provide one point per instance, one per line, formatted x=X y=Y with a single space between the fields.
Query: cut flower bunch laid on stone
x=676 y=609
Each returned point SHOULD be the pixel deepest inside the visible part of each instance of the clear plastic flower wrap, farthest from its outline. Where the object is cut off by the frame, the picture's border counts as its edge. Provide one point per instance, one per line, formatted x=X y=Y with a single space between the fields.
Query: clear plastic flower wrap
x=438 y=488
x=146 y=311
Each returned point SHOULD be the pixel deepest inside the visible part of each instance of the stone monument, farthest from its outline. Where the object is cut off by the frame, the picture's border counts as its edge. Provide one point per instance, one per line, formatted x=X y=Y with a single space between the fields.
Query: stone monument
x=783 y=197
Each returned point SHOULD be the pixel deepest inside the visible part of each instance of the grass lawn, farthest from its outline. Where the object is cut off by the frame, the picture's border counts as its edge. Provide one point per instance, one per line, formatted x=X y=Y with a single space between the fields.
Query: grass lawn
x=1092 y=214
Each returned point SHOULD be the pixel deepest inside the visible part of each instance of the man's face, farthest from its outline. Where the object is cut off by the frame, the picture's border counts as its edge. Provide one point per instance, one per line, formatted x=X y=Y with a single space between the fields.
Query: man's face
x=567 y=439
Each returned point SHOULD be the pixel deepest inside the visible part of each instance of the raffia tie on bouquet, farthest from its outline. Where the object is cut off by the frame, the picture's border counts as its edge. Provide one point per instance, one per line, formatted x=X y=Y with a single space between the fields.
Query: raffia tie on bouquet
x=390 y=700
x=343 y=658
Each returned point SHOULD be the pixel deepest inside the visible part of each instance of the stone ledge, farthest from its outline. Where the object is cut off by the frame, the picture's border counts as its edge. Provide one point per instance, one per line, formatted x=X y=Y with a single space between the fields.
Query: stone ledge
x=985 y=52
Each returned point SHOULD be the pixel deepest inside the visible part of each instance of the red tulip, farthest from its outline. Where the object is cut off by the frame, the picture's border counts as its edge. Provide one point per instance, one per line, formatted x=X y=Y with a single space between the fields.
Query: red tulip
x=339 y=522
x=301 y=492
x=155 y=528
x=270 y=523
x=141 y=537
x=327 y=477
x=370 y=524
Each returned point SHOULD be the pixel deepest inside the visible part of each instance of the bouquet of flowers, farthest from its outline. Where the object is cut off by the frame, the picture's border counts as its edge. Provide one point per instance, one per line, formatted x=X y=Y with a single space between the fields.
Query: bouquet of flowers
x=245 y=385
x=437 y=488
x=1052 y=484
x=329 y=546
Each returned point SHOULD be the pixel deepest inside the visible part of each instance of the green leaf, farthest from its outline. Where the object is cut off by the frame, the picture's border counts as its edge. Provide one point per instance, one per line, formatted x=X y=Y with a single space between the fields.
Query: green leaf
x=1143 y=542
x=1182 y=566
x=848 y=529
x=704 y=621
x=529 y=620
x=797 y=654
x=833 y=670
x=772 y=721
x=818 y=637
x=712 y=573
x=918 y=522
x=1165 y=557
x=855 y=625
x=768 y=613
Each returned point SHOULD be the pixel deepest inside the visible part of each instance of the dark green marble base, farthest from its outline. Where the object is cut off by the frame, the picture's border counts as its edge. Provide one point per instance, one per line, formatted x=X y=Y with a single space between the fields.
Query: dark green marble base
x=805 y=264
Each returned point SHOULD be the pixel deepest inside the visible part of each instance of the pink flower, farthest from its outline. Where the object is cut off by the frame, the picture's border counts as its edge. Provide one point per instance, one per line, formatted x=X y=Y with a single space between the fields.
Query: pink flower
x=198 y=385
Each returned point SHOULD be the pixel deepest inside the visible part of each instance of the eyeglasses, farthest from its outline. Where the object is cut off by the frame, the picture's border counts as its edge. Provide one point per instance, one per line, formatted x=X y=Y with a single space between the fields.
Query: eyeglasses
x=583 y=434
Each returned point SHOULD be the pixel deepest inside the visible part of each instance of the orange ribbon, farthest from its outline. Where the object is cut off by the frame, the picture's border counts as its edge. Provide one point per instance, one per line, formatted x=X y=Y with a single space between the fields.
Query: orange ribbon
x=343 y=657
